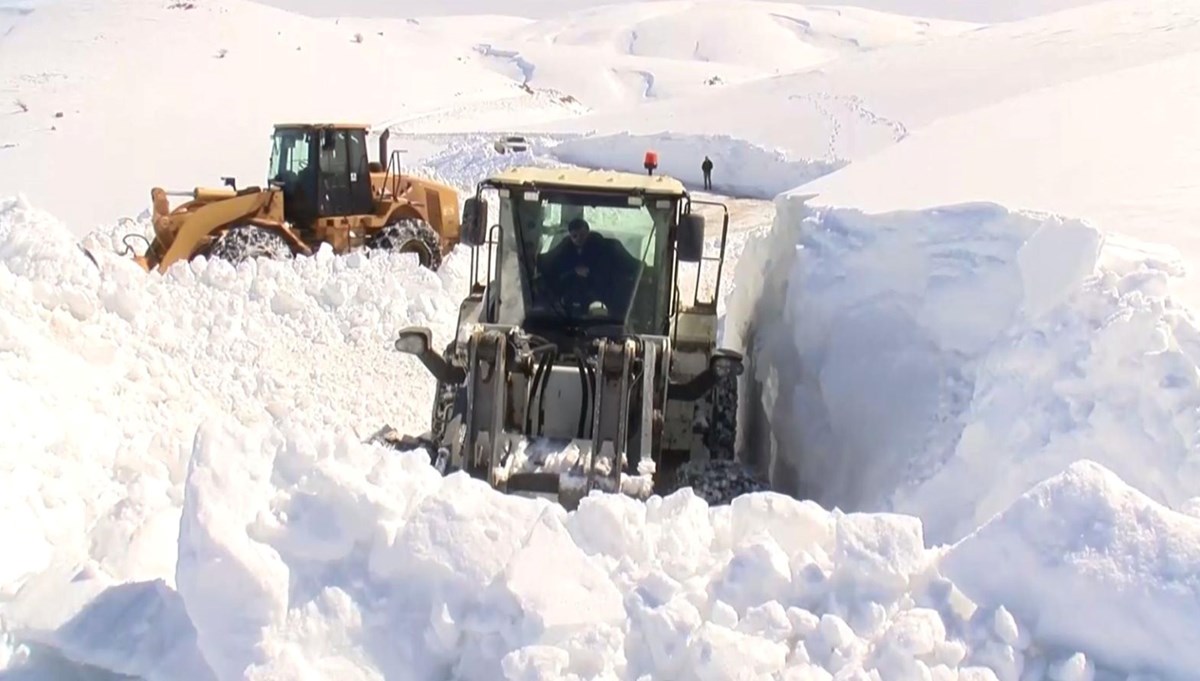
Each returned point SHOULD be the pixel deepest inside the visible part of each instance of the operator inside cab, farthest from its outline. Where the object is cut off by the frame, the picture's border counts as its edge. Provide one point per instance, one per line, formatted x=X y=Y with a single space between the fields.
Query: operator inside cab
x=590 y=267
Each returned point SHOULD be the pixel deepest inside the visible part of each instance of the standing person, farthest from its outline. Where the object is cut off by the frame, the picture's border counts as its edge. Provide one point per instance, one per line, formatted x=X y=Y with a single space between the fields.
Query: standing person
x=707 y=168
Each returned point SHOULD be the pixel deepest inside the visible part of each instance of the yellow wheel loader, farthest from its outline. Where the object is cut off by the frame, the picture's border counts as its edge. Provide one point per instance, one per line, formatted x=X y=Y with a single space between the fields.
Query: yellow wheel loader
x=572 y=372
x=323 y=189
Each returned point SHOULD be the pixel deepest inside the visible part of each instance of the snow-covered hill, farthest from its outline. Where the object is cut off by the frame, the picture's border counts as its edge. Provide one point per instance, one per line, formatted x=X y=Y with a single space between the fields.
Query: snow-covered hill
x=618 y=55
x=1001 y=404
x=867 y=101
x=111 y=98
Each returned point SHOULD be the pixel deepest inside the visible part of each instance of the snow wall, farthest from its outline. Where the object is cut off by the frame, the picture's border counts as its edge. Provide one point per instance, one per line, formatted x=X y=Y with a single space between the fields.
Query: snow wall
x=940 y=362
x=740 y=168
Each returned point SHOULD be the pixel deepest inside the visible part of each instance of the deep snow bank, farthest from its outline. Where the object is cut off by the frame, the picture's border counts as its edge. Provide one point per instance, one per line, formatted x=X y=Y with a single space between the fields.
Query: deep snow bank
x=208 y=511
x=1082 y=548
x=106 y=374
x=305 y=554
x=740 y=168
x=940 y=362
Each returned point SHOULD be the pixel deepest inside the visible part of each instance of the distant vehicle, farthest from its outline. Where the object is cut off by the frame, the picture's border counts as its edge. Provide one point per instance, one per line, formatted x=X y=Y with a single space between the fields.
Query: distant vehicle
x=514 y=144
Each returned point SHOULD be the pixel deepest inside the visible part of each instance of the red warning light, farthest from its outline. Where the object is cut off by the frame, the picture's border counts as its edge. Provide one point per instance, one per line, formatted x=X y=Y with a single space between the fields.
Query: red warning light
x=651 y=160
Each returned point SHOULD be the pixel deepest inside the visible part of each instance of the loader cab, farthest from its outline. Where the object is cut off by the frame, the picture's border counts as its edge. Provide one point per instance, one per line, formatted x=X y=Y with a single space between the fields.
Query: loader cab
x=628 y=248
x=322 y=170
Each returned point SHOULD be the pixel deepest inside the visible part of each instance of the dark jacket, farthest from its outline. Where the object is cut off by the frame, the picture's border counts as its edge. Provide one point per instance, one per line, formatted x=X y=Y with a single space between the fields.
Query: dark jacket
x=610 y=267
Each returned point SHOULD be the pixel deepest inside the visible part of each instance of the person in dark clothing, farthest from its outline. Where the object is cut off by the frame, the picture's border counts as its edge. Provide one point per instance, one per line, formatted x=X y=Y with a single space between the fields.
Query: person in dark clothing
x=707 y=167
x=603 y=270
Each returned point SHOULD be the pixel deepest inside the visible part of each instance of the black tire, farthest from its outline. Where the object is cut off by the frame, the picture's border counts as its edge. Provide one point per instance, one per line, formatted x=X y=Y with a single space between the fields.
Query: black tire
x=243 y=242
x=721 y=436
x=718 y=482
x=410 y=235
x=722 y=478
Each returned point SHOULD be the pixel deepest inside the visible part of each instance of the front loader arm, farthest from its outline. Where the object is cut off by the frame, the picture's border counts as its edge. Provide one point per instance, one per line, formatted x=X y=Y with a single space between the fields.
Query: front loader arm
x=179 y=232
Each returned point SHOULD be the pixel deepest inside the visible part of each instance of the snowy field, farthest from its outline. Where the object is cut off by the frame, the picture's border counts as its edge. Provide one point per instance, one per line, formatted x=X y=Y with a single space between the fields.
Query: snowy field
x=961 y=264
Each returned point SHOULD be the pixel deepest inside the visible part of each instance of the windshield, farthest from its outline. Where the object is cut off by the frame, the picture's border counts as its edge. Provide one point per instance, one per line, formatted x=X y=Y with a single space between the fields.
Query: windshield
x=289 y=154
x=584 y=259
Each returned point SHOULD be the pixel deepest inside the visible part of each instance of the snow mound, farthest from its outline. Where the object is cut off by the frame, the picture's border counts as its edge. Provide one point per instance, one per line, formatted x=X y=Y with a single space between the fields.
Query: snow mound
x=624 y=53
x=1084 y=547
x=107 y=372
x=740 y=168
x=303 y=554
x=940 y=362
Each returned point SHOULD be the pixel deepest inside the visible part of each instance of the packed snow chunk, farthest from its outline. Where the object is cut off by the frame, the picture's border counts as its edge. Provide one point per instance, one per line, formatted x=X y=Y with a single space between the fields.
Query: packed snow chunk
x=557 y=586
x=549 y=593
x=613 y=525
x=461 y=534
x=834 y=644
x=915 y=633
x=796 y=526
x=139 y=629
x=758 y=573
x=232 y=586
x=658 y=637
x=879 y=553
x=1083 y=548
x=535 y=663
x=717 y=653
x=683 y=534
x=769 y=621
x=740 y=168
x=1054 y=260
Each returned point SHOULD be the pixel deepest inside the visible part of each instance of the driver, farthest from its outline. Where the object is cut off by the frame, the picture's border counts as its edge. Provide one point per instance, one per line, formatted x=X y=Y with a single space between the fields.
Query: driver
x=602 y=263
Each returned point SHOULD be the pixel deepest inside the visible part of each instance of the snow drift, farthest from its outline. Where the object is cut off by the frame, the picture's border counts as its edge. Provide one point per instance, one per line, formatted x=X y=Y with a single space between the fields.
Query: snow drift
x=622 y=54
x=236 y=526
x=740 y=168
x=940 y=362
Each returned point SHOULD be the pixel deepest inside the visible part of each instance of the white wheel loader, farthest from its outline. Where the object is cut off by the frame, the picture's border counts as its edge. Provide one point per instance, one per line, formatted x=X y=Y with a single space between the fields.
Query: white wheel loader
x=565 y=378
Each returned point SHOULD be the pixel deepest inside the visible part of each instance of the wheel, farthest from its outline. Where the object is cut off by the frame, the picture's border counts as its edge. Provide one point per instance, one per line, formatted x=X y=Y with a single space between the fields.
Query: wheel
x=721 y=436
x=718 y=481
x=410 y=235
x=722 y=478
x=240 y=243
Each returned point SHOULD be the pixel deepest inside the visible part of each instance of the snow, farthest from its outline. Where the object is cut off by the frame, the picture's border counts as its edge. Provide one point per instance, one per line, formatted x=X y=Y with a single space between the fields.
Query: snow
x=1083 y=547
x=974 y=366
x=862 y=103
x=940 y=362
x=617 y=55
x=754 y=171
x=1073 y=149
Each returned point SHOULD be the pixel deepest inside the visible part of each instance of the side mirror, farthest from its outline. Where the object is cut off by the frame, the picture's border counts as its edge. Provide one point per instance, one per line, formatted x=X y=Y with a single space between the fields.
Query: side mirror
x=474 y=222
x=414 y=340
x=690 y=244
